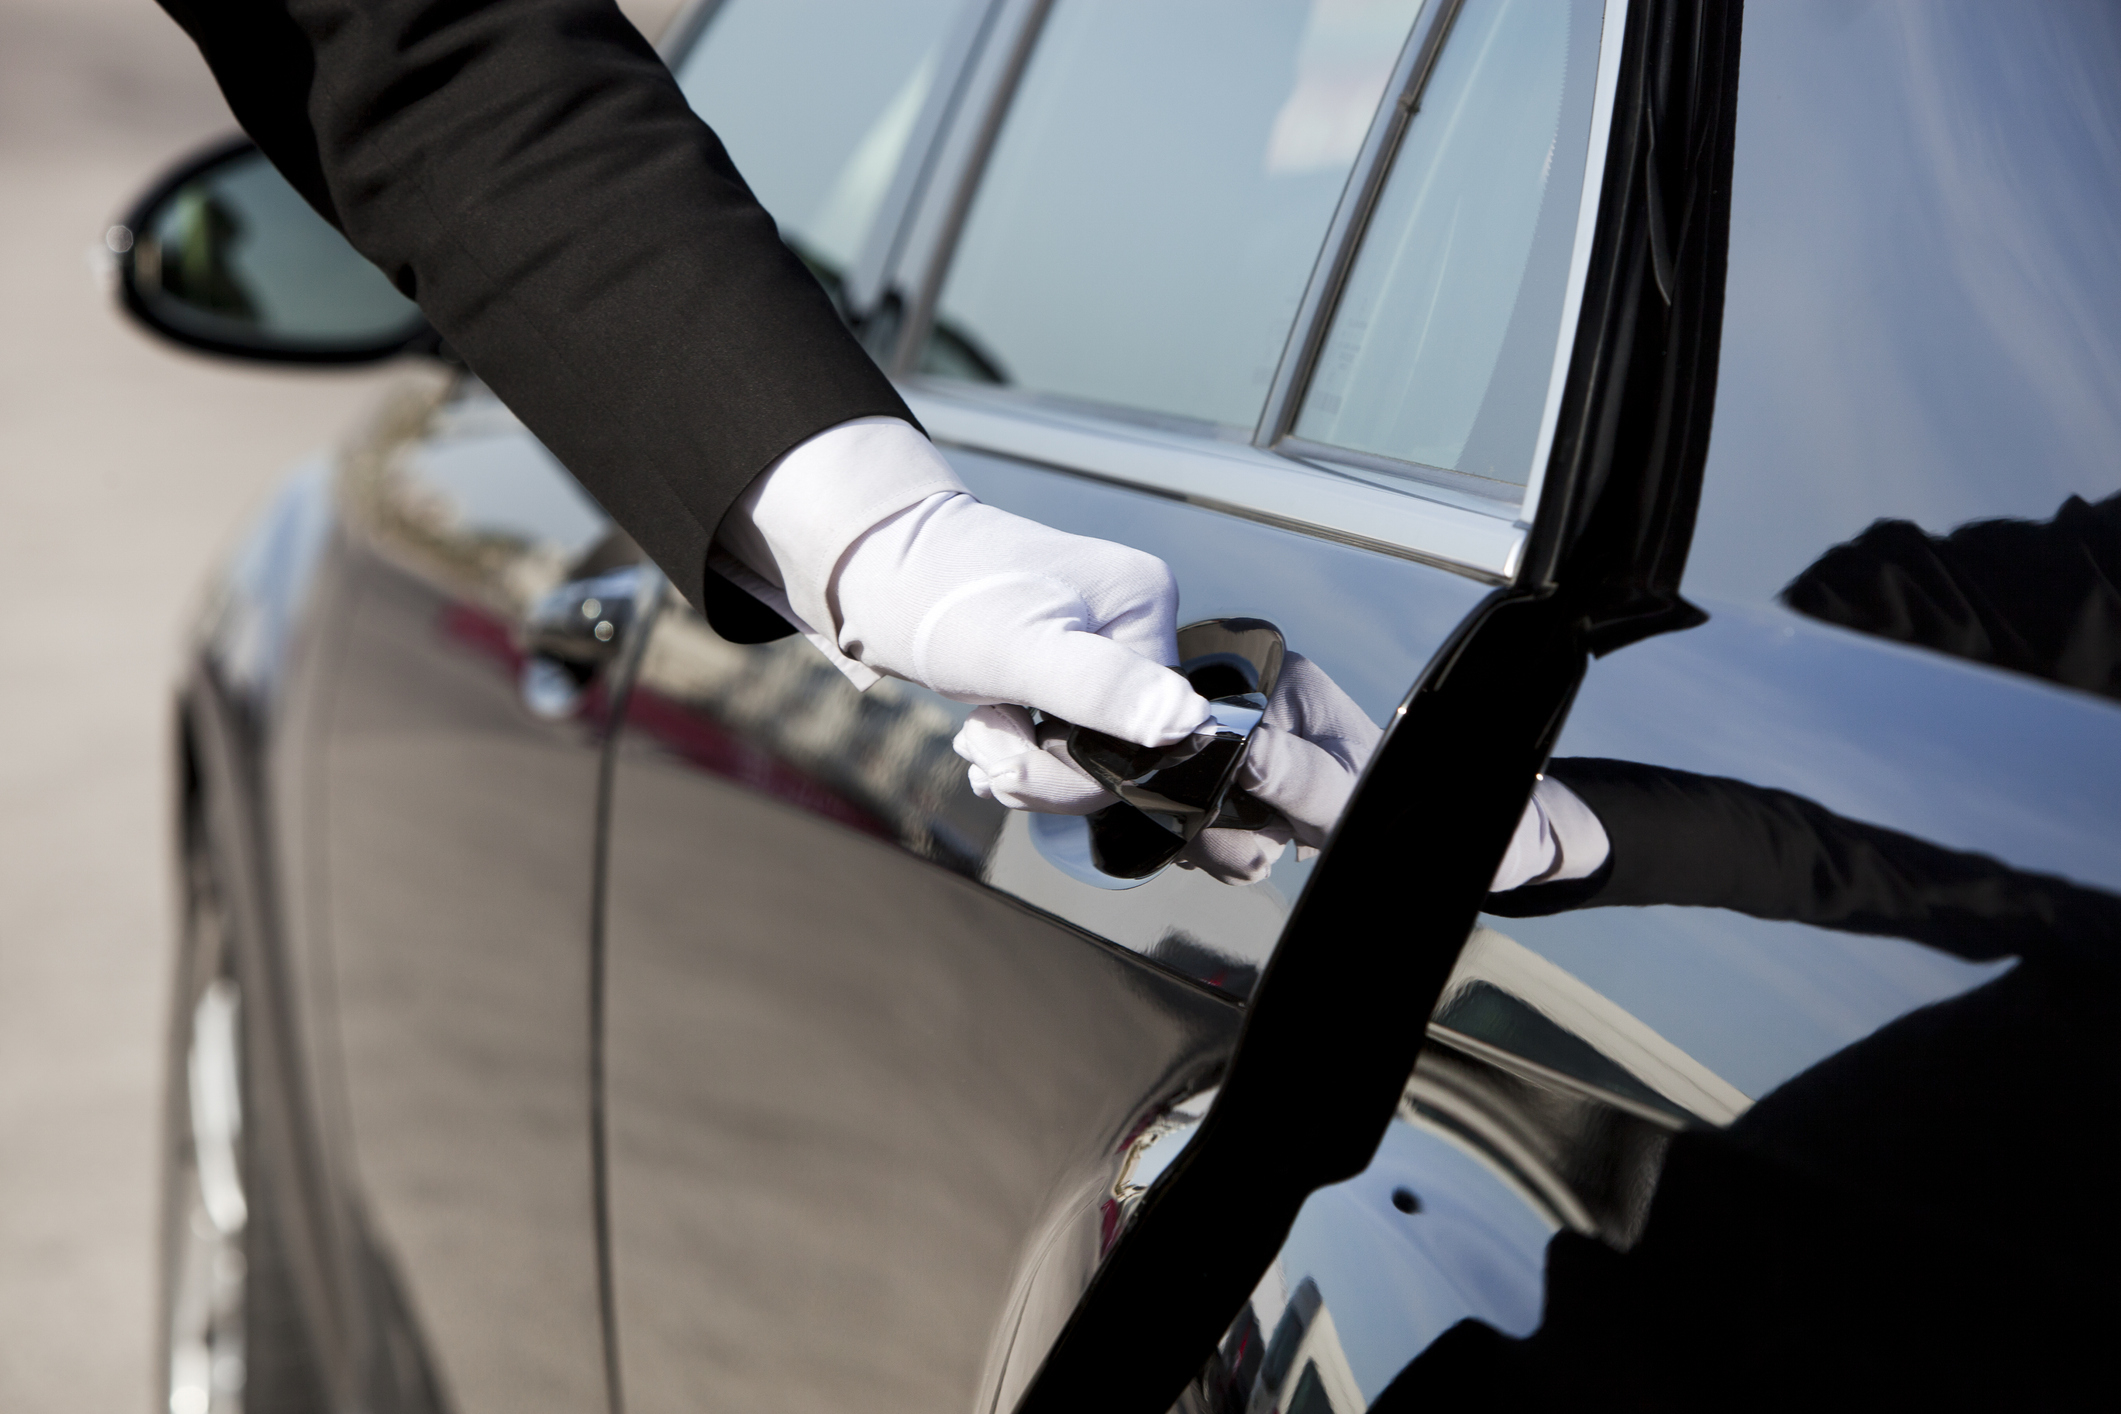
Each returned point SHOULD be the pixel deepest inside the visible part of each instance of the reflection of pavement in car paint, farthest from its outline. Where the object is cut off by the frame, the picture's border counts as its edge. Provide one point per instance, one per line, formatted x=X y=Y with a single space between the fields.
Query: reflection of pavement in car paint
x=1493 y=1151
x=1475 y=1247
x=1329 y=1325
x=707 y=744
x=780 y=719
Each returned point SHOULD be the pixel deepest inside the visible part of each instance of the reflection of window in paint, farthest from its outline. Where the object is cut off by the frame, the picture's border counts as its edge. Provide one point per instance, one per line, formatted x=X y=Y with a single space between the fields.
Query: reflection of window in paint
x=1310 y=1396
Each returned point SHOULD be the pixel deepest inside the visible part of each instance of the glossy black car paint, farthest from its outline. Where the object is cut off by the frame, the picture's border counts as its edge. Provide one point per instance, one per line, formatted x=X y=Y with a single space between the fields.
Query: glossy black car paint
x=1865 y=881
x=340 y=648
x=778 y=957
x=246 y=720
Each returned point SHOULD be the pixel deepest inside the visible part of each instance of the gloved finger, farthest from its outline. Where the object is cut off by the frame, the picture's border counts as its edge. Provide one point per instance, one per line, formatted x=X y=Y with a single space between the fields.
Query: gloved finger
x=1094 y=682
x=1531 y=851
x=1235 y=856
x=1311 y=705
x=995 y=734
x=1042 y=784
x=1307 y=783
x=1023 y=637
x=1011 y=765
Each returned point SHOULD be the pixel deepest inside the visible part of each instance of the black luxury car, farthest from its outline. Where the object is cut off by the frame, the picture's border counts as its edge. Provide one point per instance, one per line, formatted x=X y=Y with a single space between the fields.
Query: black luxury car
x=1718 y=413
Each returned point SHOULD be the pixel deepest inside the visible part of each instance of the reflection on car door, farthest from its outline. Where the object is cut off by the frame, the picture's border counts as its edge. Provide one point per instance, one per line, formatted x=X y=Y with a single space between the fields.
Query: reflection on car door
x=459 y=814
x=1865 y=846
x=883 y=1077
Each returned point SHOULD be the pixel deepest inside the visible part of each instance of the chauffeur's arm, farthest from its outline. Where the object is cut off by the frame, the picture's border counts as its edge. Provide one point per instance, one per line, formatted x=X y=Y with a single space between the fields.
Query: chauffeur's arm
x=530 y=173
x=1709 y=842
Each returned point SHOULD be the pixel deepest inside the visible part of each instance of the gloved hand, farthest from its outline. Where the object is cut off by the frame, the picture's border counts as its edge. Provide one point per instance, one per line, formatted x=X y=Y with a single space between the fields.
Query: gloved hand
x=866 y=538
x=1309 y=782
x=1557 y=837
x=1303 y=761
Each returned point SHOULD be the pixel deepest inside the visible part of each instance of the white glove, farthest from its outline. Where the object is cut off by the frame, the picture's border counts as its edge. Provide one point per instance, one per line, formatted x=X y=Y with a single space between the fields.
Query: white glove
x=1307 y=774
x=866 y=539
x=1303 y=761
x=1026 y=767
x=1558 y=837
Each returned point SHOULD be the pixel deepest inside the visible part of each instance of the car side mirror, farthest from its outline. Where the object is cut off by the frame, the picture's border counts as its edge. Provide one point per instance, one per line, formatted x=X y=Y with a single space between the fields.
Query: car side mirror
x=224 y=255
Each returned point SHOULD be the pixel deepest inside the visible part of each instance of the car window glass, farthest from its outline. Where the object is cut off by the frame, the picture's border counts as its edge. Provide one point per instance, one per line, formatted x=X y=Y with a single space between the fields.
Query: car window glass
x=1157 y=197
x=815 y=100
x=1442 y=345
x=1922 y=316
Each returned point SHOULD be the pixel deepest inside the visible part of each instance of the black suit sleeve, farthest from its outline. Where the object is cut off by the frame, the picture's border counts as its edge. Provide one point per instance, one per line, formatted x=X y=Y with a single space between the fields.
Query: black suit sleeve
x=1710 y=842
x=530 y=173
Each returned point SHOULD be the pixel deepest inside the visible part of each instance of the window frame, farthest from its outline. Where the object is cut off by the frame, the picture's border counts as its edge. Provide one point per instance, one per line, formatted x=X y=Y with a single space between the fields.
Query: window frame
x=1273 y=477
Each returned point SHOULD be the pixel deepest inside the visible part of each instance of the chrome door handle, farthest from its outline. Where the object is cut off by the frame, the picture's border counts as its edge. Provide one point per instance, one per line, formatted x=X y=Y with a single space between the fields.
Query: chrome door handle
x=574 y=630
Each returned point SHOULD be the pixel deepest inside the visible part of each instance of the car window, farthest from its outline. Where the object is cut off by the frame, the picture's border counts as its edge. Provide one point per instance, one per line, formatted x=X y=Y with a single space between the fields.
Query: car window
x=816 y=100
x=1442 y=346
x=1157 y=197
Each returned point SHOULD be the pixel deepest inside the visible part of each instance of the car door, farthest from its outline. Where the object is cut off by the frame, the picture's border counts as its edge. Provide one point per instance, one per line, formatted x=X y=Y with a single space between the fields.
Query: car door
x=452 y=788
x=1864 y=835
x=888 y=1070
x=1781 y=1089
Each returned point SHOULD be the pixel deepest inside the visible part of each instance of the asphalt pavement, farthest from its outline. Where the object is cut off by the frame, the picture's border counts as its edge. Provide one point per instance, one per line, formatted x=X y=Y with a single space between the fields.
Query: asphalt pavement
x=126 y=467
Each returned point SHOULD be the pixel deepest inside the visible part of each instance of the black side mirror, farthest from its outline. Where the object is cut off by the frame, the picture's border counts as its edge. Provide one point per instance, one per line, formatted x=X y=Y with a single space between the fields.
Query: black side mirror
x=224 y=255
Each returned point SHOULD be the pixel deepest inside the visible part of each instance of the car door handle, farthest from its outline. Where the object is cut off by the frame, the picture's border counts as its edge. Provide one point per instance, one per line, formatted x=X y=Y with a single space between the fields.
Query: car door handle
x=1168 y=795
x=574 y=630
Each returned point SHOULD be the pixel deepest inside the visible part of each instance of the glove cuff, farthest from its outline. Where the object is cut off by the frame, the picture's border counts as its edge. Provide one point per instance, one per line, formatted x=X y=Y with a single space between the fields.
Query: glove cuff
x=797 y=521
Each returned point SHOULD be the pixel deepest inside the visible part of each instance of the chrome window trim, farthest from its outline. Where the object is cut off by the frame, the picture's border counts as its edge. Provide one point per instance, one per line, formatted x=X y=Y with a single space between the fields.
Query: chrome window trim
x=1276 y=479
x=929 y=237
x=868 y=279
x=1232 y=477
x=1351 y=228
x=1495 y=498
x=1351 y=218
x=1611 y=41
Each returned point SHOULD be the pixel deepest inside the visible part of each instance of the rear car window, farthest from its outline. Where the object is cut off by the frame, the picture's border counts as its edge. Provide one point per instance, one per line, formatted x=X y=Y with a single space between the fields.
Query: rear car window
x=816 y=101
x=1157 y=197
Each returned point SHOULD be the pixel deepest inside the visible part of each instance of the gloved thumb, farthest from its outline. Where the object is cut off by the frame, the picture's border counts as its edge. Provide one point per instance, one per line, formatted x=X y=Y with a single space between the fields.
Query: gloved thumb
x=1309 y=785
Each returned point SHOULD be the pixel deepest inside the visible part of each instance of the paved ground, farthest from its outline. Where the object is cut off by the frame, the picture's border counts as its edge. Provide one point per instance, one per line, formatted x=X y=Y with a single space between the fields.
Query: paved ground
x=124 y=467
